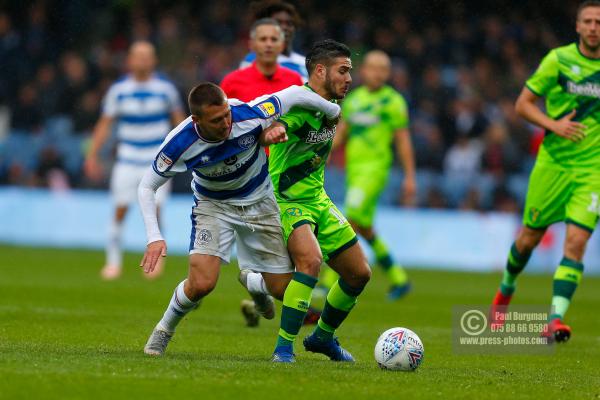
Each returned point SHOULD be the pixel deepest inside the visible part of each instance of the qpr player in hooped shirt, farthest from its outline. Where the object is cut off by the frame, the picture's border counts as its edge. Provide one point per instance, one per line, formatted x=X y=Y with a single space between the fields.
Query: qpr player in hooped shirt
x=233 y=195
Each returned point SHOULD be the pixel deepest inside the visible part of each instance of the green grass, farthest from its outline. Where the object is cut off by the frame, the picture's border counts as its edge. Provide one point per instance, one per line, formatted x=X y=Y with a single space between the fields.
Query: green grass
x=65 y=334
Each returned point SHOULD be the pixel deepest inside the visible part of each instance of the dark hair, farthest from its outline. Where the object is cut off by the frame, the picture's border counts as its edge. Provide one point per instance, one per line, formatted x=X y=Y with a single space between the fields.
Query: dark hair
x=323 y=52
x=205 y=94
x=266 y=9
x=586 y=4
x=261 y=22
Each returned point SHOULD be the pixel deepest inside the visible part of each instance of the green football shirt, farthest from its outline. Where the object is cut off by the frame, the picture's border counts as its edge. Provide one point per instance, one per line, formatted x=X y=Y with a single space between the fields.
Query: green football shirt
x=372 y=119
x=297 y=167
x=570 y=81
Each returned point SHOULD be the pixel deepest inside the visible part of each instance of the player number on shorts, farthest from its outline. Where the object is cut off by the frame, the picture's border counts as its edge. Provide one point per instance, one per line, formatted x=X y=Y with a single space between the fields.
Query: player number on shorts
x=593 y=207
x=338 y=216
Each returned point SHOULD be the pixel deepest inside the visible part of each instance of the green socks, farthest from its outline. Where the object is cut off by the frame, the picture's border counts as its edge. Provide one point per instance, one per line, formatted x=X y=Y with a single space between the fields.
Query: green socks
x=566 y=279
x=395 y=272
x=296 y=300
x=340 y=300
x=514 y=265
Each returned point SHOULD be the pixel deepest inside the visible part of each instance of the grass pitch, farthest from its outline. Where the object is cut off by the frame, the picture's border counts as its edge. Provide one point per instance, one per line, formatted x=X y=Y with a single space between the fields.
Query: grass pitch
x=65 y=334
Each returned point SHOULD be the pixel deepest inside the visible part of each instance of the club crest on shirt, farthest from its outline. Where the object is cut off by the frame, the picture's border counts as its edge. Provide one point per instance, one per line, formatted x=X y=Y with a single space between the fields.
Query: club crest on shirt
x=267 y=108
x=163 y=163
x=246 y=141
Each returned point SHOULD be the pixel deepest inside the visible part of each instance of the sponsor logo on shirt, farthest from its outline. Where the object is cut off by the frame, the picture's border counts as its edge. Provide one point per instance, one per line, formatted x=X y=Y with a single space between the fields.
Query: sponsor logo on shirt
x=586 y=89
x=246 y=141
x=163 y=163
x=267 y=108
x=323 y=135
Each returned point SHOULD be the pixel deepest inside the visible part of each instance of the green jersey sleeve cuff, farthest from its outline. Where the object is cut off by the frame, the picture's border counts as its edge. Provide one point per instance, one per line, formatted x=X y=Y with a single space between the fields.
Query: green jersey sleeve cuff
x=283 y=122
x=534 y=91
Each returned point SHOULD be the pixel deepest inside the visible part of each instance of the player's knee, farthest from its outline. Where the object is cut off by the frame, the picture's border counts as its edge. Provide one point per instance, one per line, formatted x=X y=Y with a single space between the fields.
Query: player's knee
x=360 y=276
x=528 y=239
x=200 y=287
x=277 y=289
x=364 y=275
x=310 y=265
x=575 y=247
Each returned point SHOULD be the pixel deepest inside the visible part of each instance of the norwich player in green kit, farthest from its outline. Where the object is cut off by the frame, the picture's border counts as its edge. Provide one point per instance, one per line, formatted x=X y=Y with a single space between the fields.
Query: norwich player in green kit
x=314 y=229
x=565 y=182
x=374 y=116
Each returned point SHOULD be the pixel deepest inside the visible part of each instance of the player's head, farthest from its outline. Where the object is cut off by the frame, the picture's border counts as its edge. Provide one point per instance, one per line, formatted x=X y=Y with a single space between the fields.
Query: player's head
x=328 y=64
x=588 y=24
x=375 y=69
x=141 y=59
x=266 y=40
x=210 y=111
x=282 y=12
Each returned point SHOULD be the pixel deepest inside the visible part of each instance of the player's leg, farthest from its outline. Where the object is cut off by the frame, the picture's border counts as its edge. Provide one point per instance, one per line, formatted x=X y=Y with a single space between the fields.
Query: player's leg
x=354 y=271
x=210 y=245
x=361 y=204
x=581 y=219
x=201 y=280
x=123 y=189
x=307 y=258
x=394 y=271
x=265 y=266
x=339 y=243
x=547 y=195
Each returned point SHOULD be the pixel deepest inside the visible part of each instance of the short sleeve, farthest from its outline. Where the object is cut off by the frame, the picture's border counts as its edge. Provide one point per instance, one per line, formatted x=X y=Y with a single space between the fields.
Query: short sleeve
x=174 y=99
x=546 y=75
x=110 y=102
x=397 y=111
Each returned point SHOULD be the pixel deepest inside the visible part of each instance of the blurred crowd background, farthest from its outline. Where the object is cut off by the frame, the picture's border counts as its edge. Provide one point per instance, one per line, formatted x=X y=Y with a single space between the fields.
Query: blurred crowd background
x=460 y=65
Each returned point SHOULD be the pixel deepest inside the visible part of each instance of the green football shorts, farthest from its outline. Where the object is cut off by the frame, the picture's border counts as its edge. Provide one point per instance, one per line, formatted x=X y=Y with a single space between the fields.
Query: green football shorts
x=362 y=196
x=331 y=228
x=560 y=195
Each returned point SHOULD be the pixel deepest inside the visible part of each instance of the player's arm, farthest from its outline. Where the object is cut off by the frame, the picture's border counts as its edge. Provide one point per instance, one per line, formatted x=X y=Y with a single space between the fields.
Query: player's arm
x=156 y=247
x=297 y=96
x=404 y=150
x=526 y=106
x=101 y=132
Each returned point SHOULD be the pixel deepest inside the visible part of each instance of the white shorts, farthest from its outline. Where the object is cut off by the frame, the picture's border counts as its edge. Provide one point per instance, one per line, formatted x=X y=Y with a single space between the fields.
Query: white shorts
x=124 y=183
x=256 y=228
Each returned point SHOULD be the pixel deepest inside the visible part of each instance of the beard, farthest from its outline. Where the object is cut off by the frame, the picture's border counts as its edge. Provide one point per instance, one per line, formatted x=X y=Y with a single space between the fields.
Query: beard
x=330 y=88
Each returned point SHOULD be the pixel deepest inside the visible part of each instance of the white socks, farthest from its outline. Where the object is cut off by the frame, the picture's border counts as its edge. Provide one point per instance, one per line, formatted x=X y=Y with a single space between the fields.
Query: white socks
x=178 y=307
x=256 y=284
x=114 y=256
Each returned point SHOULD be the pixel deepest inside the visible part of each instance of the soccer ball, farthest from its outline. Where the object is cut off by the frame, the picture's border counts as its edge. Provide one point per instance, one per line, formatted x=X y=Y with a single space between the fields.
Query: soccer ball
x=399 y=349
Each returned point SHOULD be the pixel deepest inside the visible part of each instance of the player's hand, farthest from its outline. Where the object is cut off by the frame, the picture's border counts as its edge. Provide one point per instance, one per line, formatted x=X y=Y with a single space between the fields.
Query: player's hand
x=154 y=252
x=92 y=168
x=568 y=129
x=409 y=192
x=275 y=134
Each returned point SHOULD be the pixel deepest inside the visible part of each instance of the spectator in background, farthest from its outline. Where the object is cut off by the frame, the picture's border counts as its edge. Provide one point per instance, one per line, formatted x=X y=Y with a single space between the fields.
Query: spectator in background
x=27 y=114
x=500 y=154
x=287 y=17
